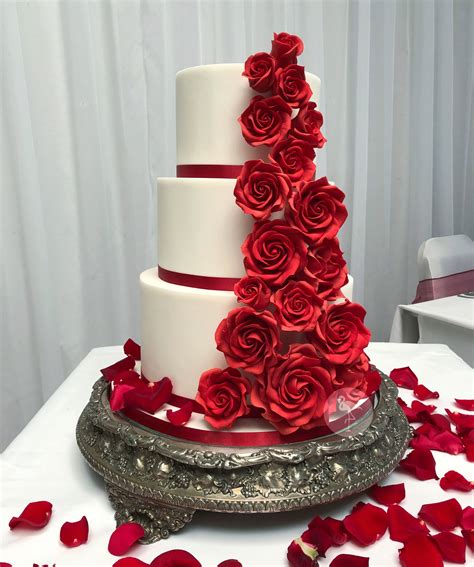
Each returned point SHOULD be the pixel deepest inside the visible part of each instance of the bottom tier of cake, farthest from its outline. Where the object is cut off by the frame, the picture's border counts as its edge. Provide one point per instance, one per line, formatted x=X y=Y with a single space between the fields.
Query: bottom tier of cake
x=178 y=326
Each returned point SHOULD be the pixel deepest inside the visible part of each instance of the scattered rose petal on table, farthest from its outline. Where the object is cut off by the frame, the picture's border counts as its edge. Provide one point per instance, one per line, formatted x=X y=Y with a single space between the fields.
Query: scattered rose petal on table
x=117 y=397
x=417 y=412
x=451 y=546
x=112 y=371
x=467 y=405
x=131 y=348
x=421 y=464
x=453 y=480
x=124 y=537
x=423 y=393
x=388 y=494
x=404 y=377
x=467 y=439
x=130 y=562
x=5 y=564
x=467 y=518
x=468 y=535
x=151 y=395
x=36 y=515
x=441 y=422
x=435 y=440
x=175 y=558
x=73 y=534
x=420 y=550
x=300 y=554
x=230 y=563
x=347 y=560
x=180 y=416
x=444 y=515
x=402 y=525
x=366 y=523
x=463 y=421
x=318 y=538
x=335 y=529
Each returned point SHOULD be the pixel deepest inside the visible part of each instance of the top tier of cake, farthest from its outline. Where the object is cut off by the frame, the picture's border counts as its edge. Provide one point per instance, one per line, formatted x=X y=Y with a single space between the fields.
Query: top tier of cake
x=209 y=99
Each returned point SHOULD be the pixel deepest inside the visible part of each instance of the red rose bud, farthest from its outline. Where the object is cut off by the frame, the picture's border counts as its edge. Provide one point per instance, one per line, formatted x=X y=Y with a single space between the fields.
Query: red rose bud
x=404 y=377
x=295 y=157
x=265 y=120
x=261 y=189
x=421 y=464
x=298 y=306
x=253 y=291
x=307 y=125
x=286 y=48
x=326 y=269
x=222 y=395
x=340 y=335
x=274 y=252
x=260 y=71
x=444 y=515
x=451 y=546
x=294 y=391
x=420 y=550
x=402 y=525
x=291 y=85
x=389 y=494
x=36 y=515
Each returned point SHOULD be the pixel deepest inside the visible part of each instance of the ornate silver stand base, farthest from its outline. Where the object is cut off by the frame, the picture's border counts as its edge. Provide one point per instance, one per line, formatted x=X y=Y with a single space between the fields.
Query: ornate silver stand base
x=159 y=481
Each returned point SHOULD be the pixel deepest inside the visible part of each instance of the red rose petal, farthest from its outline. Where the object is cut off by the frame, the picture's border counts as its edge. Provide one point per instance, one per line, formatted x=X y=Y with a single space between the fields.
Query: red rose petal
x=124 y=537
x=404 y=378
x=130 y=348
x=117 y=396
x=175 y=558
x=463 y=421
x=465 y=404
x=468 y=442
x=468 y=535
x=453 y=480
x=335 y=529
x=444 y=516
x=372 y=383
x=318 y=538
x=421 y=464
x=467 y=518
x=73 y=534
x=36 y=515
x=402 y=525
x=130 y=562
x=5 y=564
x=389 y=494
x=301 y=555
x=366 y=524
x=151 y=396
x=420 y=550
x=418 y=411
x=110 y=372
x=230 y=563
x=180 y=416
x=451 y=546
x=444 y=441
x=439 y=421
x=346 y=560
x=423 y=393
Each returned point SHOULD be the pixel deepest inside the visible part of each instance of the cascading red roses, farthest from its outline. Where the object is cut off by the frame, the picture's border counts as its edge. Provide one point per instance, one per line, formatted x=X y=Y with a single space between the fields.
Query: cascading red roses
x=261 y=189
x=326 y=269
x=253 y=292
x=293 y=393
x=340 y=335
x=317 y=210
x=274 y=252
x=352 y=376
x=291 y=85
x=298 y=306
x=307 y=125
x=286 y=48
x=248 y=339
x=295 y=157
x=222 y=395
x=265 y=120
x=260 y=71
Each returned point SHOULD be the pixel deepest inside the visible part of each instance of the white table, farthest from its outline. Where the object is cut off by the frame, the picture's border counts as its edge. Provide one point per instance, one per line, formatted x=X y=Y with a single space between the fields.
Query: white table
x=449 y=320
x=44 y=463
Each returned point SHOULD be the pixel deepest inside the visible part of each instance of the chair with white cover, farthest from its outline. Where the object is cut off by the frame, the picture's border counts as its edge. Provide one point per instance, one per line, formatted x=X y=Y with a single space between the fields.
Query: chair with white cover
x=445 y=267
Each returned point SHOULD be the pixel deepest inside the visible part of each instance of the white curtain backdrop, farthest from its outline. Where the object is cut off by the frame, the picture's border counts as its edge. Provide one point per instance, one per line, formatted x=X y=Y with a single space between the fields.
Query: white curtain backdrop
x=88 y=118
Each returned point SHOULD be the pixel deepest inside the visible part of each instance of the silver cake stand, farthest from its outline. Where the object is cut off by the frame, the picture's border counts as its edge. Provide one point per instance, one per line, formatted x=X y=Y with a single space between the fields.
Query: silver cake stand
x=160 y=481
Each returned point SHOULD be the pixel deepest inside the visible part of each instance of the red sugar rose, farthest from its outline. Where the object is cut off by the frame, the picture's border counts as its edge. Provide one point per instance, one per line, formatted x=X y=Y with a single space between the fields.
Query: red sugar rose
x=317 y=210
x=326 y=269
x=261 y=189
x=248 y=339
x=222 y=395
x=291 y=85
x=352 y=376
x=307 y=125
x=298 y=306
x=265 y=120
x=340 y=335
x=293 y=393
x=286 y=48
x=274 y=251
x=253 y=291
x=295 y=157
x=260 y=71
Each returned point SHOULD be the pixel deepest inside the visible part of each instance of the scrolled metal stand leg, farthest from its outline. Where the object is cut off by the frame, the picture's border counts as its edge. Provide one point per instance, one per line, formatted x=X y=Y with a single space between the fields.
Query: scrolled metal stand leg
x=158 y=520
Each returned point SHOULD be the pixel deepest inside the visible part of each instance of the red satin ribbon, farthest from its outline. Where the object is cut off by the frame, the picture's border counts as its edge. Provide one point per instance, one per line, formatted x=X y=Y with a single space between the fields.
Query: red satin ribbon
x=208 y=170
x=240 y=439
x=203 y=282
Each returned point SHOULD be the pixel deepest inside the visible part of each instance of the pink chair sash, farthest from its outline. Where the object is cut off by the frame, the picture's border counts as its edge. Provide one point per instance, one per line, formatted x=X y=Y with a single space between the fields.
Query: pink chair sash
x=445 y=286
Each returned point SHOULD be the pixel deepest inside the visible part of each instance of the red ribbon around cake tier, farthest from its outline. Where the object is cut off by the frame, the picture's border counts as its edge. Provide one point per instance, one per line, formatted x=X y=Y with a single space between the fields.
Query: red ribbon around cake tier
x=203 y=282
x=208 y=170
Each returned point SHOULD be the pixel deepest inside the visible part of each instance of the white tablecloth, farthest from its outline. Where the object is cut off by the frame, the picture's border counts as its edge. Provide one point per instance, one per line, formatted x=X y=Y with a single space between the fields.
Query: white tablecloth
x=449 y=320
x=44 y=463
